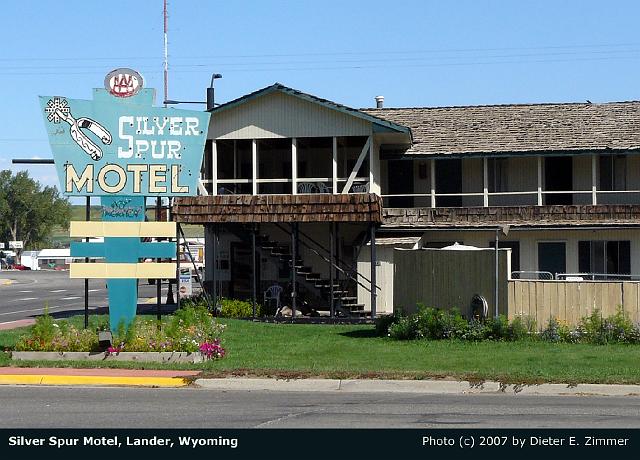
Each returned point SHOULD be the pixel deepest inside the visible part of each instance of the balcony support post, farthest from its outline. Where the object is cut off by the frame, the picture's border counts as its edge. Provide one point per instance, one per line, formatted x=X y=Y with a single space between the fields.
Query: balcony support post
x=485 y=182
x=433 y=183
x=214 y=167
x=374 y=293
x=539 y=160
x=294 y=166
x=332 y=243
x=334 y=167
x=254 y=167
x=594 y=181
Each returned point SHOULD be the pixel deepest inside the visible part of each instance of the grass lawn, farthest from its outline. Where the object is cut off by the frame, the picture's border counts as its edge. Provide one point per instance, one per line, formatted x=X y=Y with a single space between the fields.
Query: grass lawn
x=348 y=351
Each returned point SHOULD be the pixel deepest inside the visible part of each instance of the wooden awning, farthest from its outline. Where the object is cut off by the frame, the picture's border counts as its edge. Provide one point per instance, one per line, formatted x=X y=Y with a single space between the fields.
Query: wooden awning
x=361 y=207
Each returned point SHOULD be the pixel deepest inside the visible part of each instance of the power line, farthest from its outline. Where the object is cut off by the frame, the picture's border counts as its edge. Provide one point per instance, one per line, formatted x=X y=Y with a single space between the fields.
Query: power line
x=385 y=64
x=329 y=53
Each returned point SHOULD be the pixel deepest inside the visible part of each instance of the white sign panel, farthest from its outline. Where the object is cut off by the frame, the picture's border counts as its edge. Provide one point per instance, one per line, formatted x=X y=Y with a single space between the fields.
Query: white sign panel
x=1 y=245
x=15 y=244
x=186 y=287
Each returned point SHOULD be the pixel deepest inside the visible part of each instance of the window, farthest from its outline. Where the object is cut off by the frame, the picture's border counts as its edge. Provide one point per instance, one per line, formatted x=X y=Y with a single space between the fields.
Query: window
x=515 y=252
x=604 y=257
x=552 y=257
x=497 y=172
x=613 y=172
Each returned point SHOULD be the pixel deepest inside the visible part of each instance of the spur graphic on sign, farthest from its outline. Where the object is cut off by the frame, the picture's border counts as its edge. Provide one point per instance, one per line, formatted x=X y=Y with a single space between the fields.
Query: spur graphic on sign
x=58 y=110
x=115 y=145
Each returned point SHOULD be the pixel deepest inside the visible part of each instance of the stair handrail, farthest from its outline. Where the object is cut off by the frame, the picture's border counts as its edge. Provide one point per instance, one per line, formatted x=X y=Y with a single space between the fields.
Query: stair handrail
x=350 y=267
x=185 y=243
x=344 y=272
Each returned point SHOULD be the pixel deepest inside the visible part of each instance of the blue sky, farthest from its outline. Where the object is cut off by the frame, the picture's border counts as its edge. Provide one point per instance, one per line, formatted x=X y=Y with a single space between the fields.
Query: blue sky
x=415 y=53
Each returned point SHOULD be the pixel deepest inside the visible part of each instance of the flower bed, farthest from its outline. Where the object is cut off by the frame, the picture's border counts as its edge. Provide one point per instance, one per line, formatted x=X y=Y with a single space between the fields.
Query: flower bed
x=191 y=329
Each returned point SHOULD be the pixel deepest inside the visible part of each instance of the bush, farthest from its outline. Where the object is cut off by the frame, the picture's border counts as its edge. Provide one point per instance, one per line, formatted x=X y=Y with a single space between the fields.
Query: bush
x=406 y=328
x=435 y=324
x=383 y=323
x=614 y=329
x=476 y=330
x=231 y=308
x=520 y=329
x=498 y=328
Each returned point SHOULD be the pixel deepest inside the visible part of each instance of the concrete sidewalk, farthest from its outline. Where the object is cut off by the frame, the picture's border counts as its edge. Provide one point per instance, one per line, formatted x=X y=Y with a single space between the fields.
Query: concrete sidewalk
x=16 y=324
x=170 y=378
x=415 y=386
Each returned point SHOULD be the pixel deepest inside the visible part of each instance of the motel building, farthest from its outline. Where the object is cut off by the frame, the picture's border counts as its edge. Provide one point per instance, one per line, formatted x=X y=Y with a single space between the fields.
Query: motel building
x=302 y=196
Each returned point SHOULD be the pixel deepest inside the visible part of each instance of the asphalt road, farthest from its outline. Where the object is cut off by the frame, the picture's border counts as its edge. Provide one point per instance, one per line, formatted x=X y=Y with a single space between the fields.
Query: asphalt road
x=86 y=407
x=24 y=294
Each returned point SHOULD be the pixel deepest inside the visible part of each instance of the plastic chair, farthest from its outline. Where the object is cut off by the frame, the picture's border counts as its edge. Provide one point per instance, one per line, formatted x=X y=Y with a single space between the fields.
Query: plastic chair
x=271 y=294
x=307 y=187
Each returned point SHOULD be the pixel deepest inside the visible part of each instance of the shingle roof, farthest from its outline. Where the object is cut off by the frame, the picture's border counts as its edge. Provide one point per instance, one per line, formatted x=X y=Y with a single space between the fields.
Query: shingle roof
x=519 y=128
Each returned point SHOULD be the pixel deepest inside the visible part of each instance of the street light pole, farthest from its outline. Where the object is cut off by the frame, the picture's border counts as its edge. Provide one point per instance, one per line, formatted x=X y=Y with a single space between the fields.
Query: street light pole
x=210 y=102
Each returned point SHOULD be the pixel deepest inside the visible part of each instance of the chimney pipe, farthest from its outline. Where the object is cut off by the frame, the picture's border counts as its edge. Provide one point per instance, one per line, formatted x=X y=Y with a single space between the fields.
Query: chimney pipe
x=379 y=102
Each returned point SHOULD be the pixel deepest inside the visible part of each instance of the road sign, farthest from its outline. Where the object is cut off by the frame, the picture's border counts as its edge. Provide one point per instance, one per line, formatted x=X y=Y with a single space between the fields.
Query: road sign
x=15 y=244
x=186 y=286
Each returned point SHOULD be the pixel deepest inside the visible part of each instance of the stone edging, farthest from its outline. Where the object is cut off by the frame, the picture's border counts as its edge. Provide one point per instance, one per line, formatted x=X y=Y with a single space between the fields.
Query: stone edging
x=153 y=357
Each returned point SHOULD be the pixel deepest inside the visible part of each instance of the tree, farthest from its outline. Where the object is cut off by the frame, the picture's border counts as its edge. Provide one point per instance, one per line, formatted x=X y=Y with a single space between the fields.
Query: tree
x=28 y=211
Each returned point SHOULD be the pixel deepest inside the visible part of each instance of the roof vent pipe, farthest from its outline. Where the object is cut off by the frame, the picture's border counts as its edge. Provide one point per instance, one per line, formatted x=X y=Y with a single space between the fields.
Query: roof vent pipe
x=379 y=102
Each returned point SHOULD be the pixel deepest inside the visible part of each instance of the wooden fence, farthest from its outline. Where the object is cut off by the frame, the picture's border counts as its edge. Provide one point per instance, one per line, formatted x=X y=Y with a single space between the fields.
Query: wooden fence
x=571 y=300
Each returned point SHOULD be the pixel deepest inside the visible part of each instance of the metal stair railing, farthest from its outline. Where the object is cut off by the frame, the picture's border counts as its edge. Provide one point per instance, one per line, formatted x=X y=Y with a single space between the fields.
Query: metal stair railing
x=337 y=267
x=185 y=244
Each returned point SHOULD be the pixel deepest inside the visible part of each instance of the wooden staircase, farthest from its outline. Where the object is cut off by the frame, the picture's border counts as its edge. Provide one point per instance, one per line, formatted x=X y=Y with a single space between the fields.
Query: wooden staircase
x=345 y=300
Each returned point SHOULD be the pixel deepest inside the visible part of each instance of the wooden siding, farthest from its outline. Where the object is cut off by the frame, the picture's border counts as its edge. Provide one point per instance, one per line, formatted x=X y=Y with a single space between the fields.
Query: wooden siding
x=571 y=301
x=279 y=115
x=513 y=215
x=363 y=207
x=447 y=279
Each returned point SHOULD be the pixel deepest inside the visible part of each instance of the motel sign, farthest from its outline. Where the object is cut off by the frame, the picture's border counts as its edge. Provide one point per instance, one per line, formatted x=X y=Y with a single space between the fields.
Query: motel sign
x=122 y=149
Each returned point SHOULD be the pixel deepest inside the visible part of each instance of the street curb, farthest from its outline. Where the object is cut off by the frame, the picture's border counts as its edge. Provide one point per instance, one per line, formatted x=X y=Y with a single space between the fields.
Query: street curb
x=40 y=379
x=415 y=386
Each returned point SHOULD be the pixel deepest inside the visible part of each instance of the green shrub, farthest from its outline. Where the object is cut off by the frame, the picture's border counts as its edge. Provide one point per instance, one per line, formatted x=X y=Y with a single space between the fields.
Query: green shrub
x=231 y=308
x=476 y=330
x=617 y=328
x=498 y=328
x=435 y=324
x=406 y=328
x=519 y=329
x=383 y=323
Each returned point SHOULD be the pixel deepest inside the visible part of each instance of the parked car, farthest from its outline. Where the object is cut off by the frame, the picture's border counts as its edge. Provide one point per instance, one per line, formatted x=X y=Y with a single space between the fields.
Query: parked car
x=20 y=267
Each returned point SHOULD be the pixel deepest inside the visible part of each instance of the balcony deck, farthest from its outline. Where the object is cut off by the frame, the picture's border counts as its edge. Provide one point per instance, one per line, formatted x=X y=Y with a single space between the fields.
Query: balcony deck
x=556 y=215
x=361 y=207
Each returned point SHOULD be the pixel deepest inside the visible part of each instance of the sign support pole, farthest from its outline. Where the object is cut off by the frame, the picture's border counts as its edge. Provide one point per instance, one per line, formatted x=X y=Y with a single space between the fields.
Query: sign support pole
x=87 y=217
x=159 y=280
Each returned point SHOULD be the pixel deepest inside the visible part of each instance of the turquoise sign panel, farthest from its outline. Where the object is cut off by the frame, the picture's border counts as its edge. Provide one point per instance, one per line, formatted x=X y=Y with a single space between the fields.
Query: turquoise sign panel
x=123 y=293
x=124 y=146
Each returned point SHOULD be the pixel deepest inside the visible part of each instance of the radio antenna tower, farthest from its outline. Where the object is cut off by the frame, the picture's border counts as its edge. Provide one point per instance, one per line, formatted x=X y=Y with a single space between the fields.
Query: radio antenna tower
x=166 y=56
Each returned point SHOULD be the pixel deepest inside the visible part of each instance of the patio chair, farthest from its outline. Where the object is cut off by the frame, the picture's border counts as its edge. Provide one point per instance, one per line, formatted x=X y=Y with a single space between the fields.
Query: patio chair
x=323 y=188
x=273 y=294
x=307 y=187
x=360 y=188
